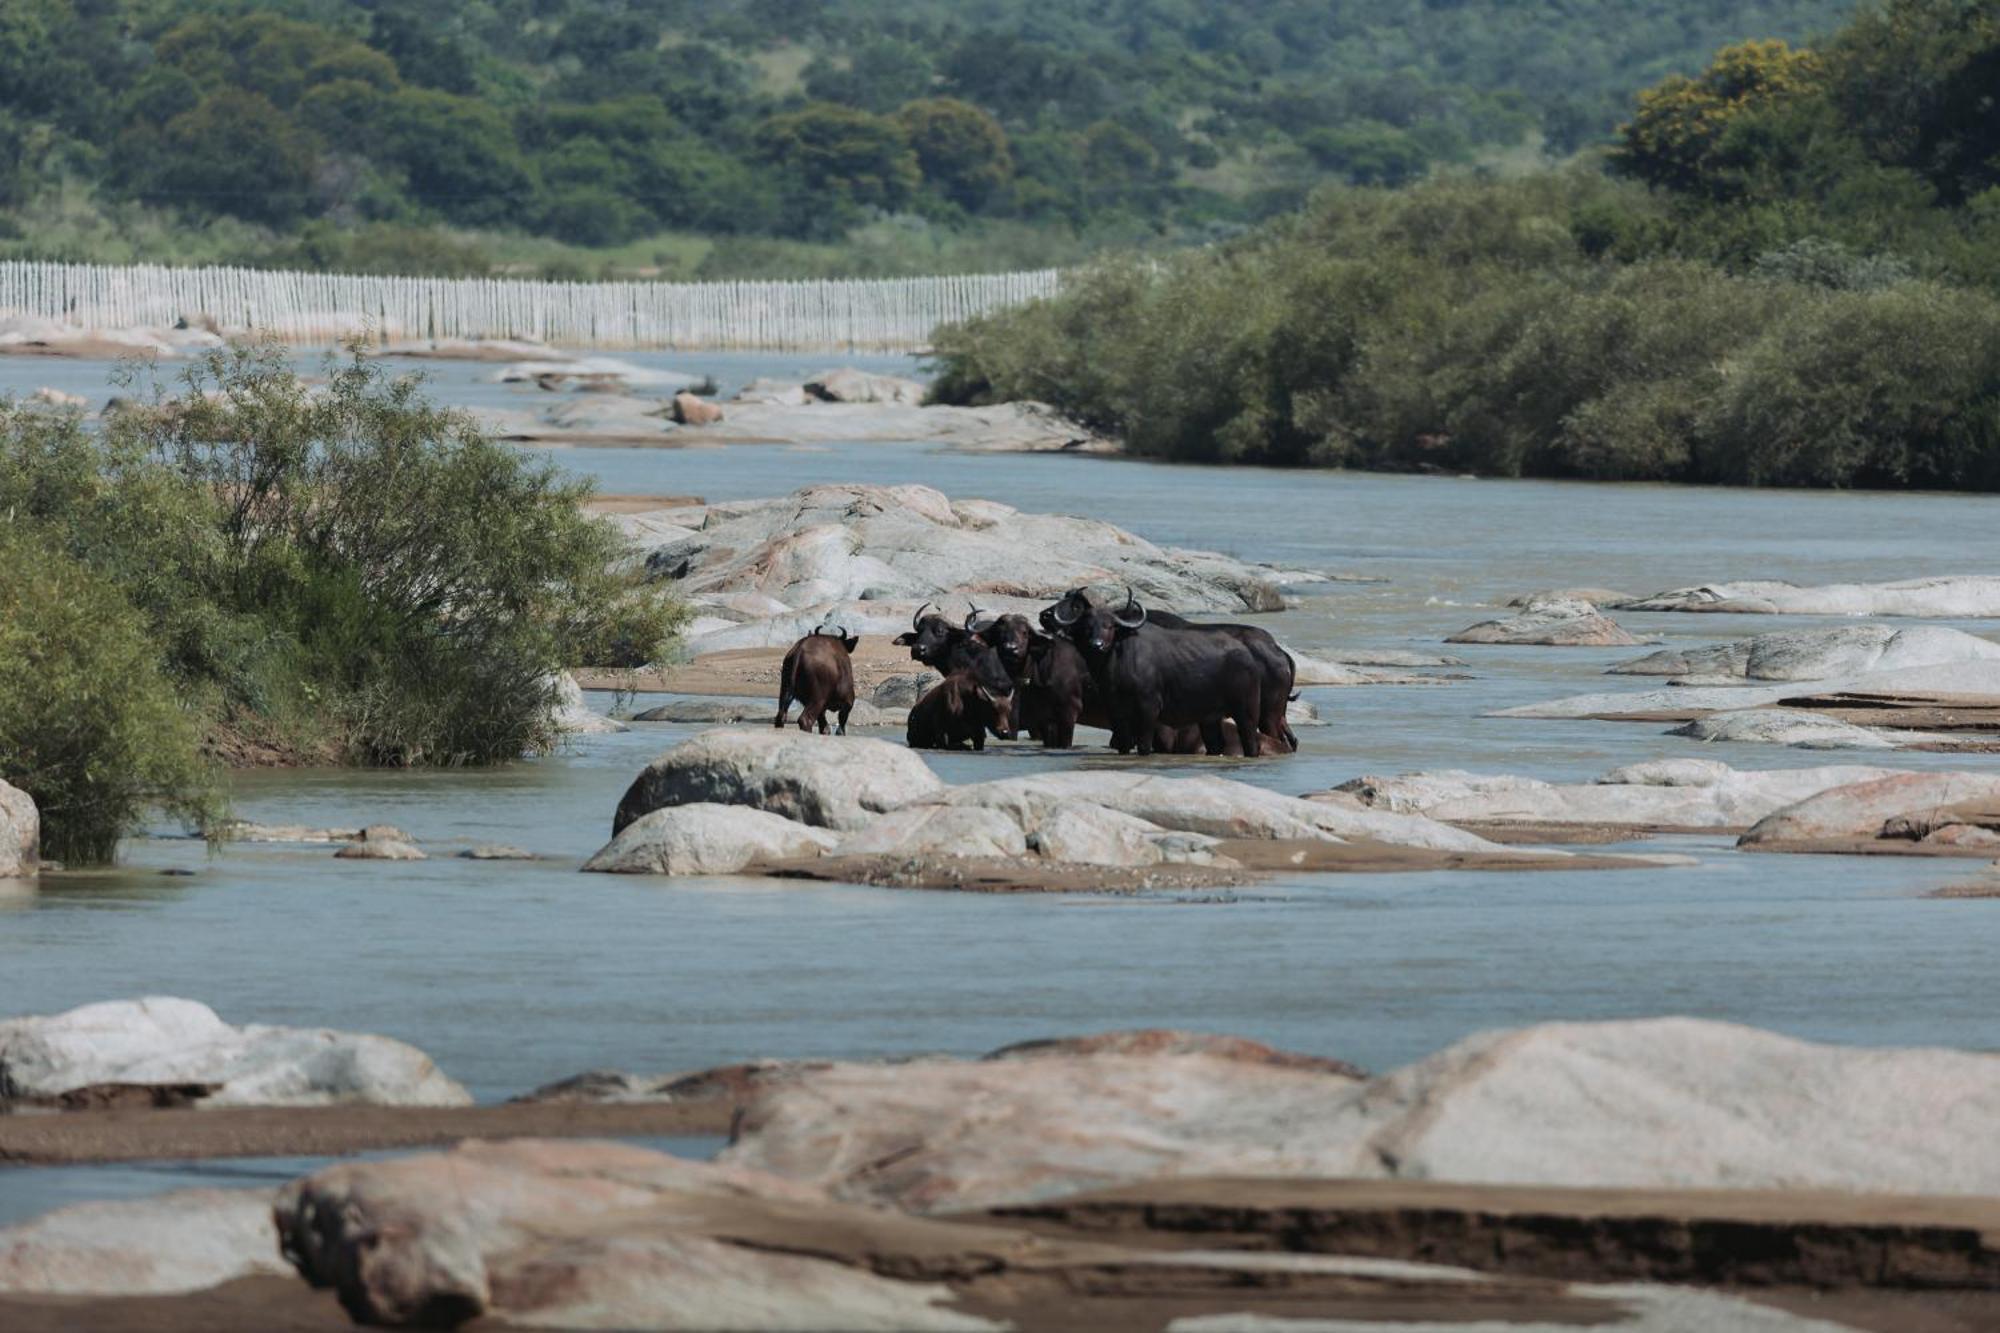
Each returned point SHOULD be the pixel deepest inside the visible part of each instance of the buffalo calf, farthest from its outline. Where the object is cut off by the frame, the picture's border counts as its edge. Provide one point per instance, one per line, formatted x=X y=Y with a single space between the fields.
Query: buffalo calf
x=959 y=709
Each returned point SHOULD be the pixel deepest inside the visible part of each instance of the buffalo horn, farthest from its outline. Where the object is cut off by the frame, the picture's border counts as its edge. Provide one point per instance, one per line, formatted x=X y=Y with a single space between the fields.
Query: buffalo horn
x=1123 y=616
x=916 y=621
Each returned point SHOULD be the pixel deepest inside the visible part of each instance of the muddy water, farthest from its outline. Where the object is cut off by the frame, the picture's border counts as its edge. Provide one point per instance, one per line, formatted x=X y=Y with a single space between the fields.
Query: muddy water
x=512 y=974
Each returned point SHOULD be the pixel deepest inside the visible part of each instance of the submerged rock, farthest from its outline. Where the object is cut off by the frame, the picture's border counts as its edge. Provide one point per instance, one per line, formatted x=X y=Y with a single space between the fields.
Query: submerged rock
x=836 y=782
x=172 y=1041
x=1818 y=654
x=1953 y=597
x=1950 y=814
x=497 y=851
x=1662 y=1103
x=381 y=849
x=580 y=1234
x=1556 y=624
x=182 y=1241
x=20 y=833
x=705 y=839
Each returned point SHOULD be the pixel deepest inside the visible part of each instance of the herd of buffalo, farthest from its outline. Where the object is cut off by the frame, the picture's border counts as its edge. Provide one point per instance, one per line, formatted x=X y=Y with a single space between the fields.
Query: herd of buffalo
x=1156 y=682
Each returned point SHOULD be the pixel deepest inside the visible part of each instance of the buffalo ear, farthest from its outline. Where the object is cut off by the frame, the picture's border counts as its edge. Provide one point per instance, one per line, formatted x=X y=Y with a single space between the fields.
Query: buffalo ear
x=904 y=640
x=850 y=644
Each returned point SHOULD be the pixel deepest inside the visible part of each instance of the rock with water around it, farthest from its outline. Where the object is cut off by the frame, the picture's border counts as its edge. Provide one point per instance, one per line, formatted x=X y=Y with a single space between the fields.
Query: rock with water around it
x=1554 y=624
x=477 y=349
x=1950 y=814
x=853 y=543
x=692 y=410
x=937 y=830
x=497 y=851
x=836 y=782
x=381 y=850
x=580 y=1234
x=574 y=716
x=775 y=392
x=182 y=1241
x=860 y=386
x=1817 y=654
x=1595 y=597
x=704 y=839
x=171 y=1041
x=1663 y=1103
x=33 y=335
x=1213 y=807
x=1784 y=726
x=1661 y=794
x=1944 y=683
x=1080 y=833
x=1951 y=597
x=20 y=833
x=1311 y=670
x=903 y=690
x=52 y=397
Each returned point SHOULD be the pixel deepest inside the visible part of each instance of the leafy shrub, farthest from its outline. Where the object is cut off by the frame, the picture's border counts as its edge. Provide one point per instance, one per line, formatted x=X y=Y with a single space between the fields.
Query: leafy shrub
x=90 y=726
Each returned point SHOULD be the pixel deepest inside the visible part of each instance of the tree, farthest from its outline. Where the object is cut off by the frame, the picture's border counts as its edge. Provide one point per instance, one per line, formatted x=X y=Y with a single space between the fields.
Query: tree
x=1368 y=153
x=1679 y=134
x=233 y=153
x=846 y=156
x=458 y=154
x=961 y=150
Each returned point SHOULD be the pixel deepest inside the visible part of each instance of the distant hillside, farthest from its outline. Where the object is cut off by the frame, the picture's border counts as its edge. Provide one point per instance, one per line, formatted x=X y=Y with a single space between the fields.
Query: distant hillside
x=349 y=132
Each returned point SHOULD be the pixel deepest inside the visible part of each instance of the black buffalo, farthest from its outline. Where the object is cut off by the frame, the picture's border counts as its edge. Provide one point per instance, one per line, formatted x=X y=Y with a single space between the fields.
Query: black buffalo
x=946 y=647
x=1053 y=689
x=1278 y=670
x=1156 y=676
x=819 y=673
x=959 y=710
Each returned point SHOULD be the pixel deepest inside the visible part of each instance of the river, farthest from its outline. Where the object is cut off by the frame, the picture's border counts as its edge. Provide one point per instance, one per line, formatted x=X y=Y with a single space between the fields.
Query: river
x=512 y=974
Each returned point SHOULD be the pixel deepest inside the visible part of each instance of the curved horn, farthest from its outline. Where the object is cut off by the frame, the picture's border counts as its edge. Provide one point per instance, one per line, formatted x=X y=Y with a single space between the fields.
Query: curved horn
x=1123 y=615
x=917 y=619
x=1056 y=614
x=971 y=616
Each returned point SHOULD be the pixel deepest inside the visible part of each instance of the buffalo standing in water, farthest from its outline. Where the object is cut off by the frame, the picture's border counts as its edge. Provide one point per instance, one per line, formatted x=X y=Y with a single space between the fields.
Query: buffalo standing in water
x=959 y=710
x=945 y=648
x=819 y=673
x=1053 y=690
x=1277 y=670
x=1156 y=676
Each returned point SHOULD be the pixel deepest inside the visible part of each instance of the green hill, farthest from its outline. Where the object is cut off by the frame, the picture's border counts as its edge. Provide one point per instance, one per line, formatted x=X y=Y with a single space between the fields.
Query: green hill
x=689 y=138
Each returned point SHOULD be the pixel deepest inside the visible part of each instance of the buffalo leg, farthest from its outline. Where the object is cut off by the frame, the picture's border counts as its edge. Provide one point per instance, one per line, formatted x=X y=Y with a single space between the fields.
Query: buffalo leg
x=1211 y=737
x=784 y=695
x=843 y=718
x=1246 y=731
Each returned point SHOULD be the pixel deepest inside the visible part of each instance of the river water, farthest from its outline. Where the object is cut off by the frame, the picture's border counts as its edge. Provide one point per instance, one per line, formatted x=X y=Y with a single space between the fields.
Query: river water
x=512 y=974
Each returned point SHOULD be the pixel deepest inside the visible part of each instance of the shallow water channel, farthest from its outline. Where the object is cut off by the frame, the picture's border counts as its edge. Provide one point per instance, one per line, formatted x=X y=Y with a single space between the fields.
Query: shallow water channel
x=512 y=974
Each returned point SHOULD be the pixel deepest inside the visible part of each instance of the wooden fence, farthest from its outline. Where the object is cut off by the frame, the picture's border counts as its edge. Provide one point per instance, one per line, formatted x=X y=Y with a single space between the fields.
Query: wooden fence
x=865 y=314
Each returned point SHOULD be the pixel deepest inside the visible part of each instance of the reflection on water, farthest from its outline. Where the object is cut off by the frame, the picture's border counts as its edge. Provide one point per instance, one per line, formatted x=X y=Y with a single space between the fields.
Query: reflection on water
x=513 y=974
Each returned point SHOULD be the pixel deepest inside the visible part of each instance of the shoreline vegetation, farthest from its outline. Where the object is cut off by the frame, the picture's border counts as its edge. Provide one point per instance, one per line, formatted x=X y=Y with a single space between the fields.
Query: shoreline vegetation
x=284 y=571
x=1785 y=279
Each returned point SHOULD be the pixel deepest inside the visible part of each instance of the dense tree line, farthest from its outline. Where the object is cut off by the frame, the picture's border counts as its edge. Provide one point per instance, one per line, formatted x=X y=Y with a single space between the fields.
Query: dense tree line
x=599 y=121
x=1796 y=283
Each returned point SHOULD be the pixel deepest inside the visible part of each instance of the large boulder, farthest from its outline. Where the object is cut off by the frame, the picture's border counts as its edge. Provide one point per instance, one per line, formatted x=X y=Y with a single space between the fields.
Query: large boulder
x=1817 y=654
x=161 y=1041
x=1659 y=795
x=183 y=1241
x=577 y=1234
x=1664 y=1103
x=860 y=386
x=1555 y=624
x=691 y=410
x=1943 y=813
x=705 y=839
x=20 y=833
x=836 y=782
x=937 y=830
x=840 y=543
x=1080 y=833
x=1215 y=807
x=574 y=716
x=1951 y=597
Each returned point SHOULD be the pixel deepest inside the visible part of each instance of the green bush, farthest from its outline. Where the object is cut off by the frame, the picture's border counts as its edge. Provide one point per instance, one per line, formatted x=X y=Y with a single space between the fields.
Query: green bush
x=90 y=726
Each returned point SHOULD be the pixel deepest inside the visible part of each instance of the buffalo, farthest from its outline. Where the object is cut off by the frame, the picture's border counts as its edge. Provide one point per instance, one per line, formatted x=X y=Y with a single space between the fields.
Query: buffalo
x=1053 y=690
x=1158 y=676
x=957 y=710
x=1278 y=670
x=819 y=673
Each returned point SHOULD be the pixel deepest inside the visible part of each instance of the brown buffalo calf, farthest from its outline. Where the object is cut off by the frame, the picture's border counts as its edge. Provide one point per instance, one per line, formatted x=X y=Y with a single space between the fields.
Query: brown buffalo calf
x=957 y=710
x=819 y=673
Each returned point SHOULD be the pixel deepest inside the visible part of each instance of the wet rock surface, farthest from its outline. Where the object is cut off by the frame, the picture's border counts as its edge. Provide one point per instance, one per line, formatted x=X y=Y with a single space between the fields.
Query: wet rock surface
x=706 y=839
x=177 y=1042
x=1817 y=654
x=1556 y=623
x=1963 y=596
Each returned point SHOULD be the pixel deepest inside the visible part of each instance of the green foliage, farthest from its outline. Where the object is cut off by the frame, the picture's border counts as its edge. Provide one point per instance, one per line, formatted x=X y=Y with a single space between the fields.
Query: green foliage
x=598 y=123
x=1478 y=327
x=340 y=573
x=90 y=727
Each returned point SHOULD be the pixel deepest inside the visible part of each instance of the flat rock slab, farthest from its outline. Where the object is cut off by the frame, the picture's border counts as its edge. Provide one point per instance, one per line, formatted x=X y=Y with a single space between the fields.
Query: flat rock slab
x=1003 y=874
x=1552 y=624
x=176 y=1242
x=1817 y=654
x=1927 y=814
x=1953 y=597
